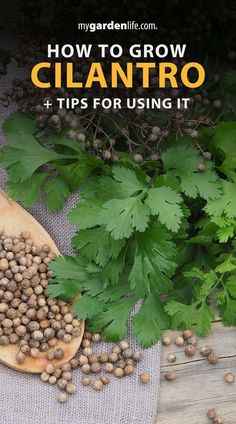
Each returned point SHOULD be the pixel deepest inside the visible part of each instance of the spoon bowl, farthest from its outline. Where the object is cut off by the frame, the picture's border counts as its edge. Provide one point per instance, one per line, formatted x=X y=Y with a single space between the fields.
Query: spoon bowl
x=13 y=221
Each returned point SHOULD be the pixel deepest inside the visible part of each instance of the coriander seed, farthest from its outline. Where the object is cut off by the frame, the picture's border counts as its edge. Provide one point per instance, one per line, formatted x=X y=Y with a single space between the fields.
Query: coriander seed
x=124 y=345
x=129 y=370
x=62 y=383
x=104 y=357
x=166 y=341
x=127 y=353
x=87 y=351
x=97 y=385
x=83 y=360
x=74 y=363
x=45 y=376
x=179 y=341
x=59 y=353
x=213 y=358
x=96 y=367
x=229 y=378
x=116 y=349
x=20 y=357
x=190 y=350
x=96 y=338
x=50 y=368
x=119 y=372
x=113 y=357
x=62 y=397
x=108 y=367
x=211 y=414
x=137 y=356
x=67 y=375
x=170 y=376
x=66 y=366
x=205 y=350
x=86 y=380
x=52 y=379
x=186 y=334
x=144 y=378
x=71 y=388
x=105 y=380
x=86 y=369
x=171 y=357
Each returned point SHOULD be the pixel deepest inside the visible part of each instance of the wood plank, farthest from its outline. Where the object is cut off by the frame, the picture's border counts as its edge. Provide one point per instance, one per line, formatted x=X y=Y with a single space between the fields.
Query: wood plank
x=199 y=385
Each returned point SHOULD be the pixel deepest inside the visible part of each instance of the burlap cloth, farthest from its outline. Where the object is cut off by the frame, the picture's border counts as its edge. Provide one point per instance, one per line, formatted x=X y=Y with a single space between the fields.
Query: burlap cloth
x=25 y=399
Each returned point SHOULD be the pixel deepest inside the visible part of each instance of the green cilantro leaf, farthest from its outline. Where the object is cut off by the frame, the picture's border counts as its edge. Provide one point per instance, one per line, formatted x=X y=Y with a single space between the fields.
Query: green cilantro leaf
x=113 y=321
x=152 y=263
x=149 y=322
x=96 y=244
x=57 y=193
x=226 y=204
x=165 y=203
x=123 y=216
x=182 y=162
x=185 y=316
x=127 y=182
x=86 y=307
x=28 y=191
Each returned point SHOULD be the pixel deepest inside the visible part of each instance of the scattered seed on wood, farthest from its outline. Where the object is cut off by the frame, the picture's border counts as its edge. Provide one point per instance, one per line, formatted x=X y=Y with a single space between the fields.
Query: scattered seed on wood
x=179 y=341
x=166 y=341
x=205 y=350
x=186 y=334
x=229 y=378
x=190 y=350
x=192 y=341
x=170 y=375
x=213 y=358
x=171 y=357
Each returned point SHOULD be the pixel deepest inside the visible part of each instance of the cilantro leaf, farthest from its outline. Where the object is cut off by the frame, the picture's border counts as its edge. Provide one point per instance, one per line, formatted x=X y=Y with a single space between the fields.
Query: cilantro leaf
x=226 y=301
x=86 y=307
x=165 y=203
x=57 y=193
x=65 y=288
x=149 y=322
x=226 y=204
x=127 y=182
x=185 y=316
x=95 y=244
x=113 y=321
x=153 y=263
x=68 y=267
x=182 y=162
x=28 y=191
x=227 y=263
x=24 y=154
x=123 y=216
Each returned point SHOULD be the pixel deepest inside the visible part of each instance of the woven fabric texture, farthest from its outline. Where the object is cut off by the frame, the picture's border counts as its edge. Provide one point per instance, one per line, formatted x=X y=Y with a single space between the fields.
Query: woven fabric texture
x=25 y=398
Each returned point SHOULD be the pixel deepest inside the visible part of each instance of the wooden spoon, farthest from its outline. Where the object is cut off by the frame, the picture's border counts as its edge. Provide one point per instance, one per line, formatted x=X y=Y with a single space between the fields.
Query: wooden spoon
x=13 y=220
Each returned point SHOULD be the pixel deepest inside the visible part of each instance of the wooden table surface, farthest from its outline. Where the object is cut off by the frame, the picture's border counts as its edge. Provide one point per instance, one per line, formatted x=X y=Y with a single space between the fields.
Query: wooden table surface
x=199 y=386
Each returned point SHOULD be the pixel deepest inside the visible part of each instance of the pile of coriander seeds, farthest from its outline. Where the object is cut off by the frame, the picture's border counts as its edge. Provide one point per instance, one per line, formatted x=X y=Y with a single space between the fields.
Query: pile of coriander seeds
x=28 y=317
x=34 y=322
x=96 y=369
